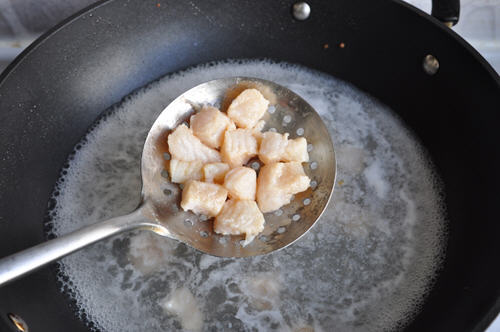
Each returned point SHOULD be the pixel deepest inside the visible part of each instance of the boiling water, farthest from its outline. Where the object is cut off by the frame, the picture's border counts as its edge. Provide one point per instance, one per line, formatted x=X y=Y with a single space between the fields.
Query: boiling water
x=365 y=266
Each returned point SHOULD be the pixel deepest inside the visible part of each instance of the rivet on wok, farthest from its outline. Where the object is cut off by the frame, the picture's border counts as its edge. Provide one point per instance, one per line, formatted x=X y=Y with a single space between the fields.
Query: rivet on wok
x=18 y=322
x=430 y=64
x=301 y=11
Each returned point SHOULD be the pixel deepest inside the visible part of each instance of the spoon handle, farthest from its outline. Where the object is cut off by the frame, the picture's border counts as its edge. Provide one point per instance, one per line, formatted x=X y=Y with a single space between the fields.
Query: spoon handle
x=28 y=260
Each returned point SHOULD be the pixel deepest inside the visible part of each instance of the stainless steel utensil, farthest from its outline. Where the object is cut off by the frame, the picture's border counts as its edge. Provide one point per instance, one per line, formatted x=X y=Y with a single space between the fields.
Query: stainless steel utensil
x=159 y=209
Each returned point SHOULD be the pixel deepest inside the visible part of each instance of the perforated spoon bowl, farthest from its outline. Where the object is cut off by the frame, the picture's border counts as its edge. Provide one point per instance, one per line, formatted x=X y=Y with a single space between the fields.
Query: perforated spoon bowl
x=159 y=209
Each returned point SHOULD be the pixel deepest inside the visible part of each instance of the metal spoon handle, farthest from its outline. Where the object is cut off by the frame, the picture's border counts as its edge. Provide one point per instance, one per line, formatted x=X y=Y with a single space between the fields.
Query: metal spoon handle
x=28 y=260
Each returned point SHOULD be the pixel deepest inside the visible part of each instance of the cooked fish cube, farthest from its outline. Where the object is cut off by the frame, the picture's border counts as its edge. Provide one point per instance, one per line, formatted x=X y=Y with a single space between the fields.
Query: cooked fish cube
x=238 y=147
x=240 y=217
x=296 y=150
x=293 y=179
x=272 y=147
x=209 y=125
x=183 y=145
x=277 y=182
x=203 y=198
x=246 y=109
x=241 y=183
x=182 y=171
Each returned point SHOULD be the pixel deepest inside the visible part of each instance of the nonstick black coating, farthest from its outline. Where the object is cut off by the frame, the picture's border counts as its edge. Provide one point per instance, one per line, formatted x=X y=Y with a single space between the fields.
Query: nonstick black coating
x=92 y=61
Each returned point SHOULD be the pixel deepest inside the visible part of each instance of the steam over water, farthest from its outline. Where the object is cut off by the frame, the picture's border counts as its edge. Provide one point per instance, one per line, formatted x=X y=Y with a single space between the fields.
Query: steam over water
x=365 y=266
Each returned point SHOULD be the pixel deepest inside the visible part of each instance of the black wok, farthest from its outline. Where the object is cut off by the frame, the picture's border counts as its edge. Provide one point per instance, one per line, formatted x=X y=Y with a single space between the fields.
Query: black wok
x=84 y=65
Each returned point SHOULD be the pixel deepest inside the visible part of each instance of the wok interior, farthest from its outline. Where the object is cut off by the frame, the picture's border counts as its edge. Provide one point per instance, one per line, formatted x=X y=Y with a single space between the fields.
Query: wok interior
x=87 y=66
x=288 y=113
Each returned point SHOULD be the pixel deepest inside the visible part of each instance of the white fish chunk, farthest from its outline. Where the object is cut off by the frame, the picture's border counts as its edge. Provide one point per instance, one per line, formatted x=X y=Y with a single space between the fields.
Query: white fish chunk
x=240 y=217
x=183 y=145
x=296 y=150
x=241 y=183
x=209 y=125
x=293 y=179
x=272 y=147
x=246 y=109
x=238 y=147
x=182 y=171
x=203 y=198
x=277 y=183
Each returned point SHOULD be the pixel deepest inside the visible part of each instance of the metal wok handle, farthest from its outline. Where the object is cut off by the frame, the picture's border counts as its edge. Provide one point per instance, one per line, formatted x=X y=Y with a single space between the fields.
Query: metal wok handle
x=28 y=260
x=447 y=11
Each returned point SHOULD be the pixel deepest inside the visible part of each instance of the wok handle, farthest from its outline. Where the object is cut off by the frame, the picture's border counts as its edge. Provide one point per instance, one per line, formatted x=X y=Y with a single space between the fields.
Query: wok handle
x=447 y=11
x=28 y=260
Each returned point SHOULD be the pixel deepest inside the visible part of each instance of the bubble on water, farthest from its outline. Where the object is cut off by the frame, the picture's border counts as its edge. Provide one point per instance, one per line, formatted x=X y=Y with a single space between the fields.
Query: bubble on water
x=365 y=265
x=300 y=131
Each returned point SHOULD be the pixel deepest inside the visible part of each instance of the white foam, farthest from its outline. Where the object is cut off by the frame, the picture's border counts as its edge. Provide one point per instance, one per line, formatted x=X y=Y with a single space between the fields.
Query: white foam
x=375 y=176
x=366 y=265
x=182 y=304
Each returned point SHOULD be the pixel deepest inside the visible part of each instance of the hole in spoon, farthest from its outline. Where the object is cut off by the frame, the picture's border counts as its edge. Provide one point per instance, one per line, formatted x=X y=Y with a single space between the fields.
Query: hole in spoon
x=255 y=165
x=287 y=119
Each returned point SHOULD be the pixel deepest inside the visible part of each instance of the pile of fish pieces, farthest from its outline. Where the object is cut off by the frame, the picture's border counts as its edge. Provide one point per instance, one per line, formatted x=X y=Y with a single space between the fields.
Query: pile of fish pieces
x=210 y=159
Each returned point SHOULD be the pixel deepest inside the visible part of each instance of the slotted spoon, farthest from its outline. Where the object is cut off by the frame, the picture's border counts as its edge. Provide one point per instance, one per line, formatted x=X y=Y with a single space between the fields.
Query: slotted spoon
x=159 y=209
